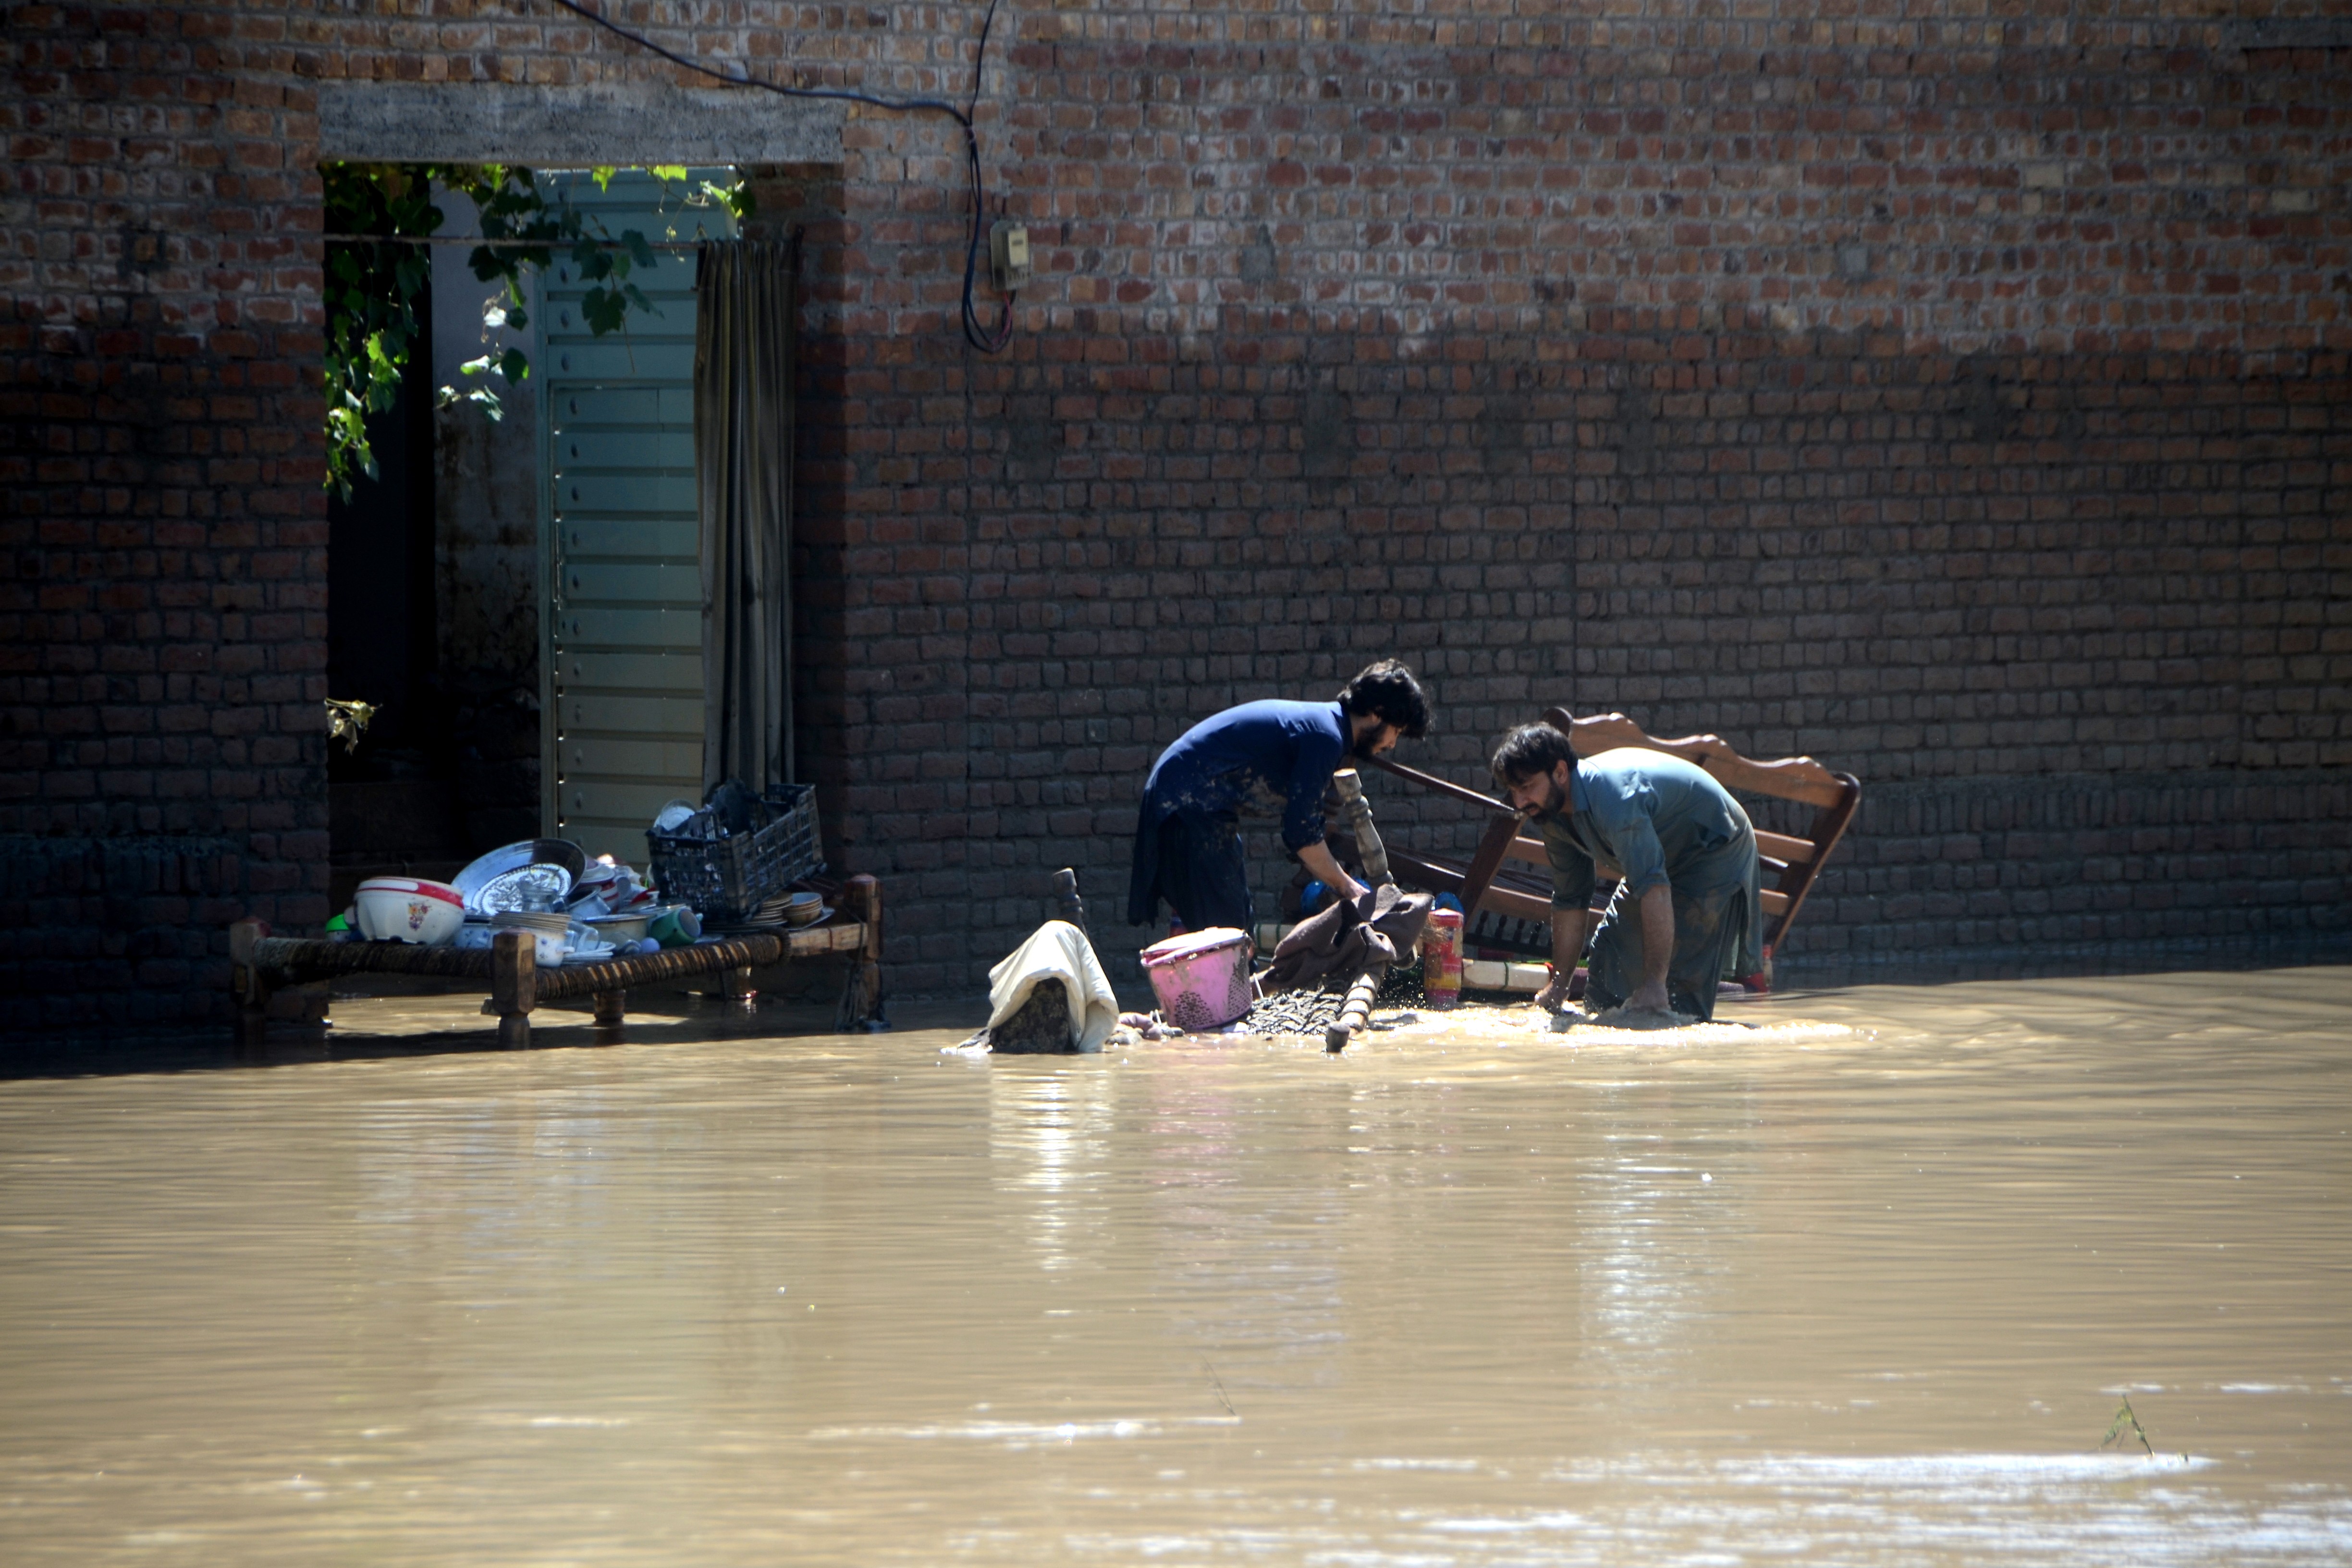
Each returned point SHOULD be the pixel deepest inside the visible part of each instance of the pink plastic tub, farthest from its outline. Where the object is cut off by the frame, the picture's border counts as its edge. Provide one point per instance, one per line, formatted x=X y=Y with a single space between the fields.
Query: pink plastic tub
x=1202 y=978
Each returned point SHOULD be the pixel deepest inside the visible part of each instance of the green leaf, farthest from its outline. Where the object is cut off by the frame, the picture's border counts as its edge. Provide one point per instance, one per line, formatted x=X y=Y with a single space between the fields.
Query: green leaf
x=639 y=251
x=667 y=172
x=603 y=308
x=603 y=174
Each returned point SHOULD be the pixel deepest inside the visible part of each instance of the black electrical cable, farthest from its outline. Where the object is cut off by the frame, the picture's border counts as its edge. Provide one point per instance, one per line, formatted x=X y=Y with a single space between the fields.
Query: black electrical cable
x=978 y=336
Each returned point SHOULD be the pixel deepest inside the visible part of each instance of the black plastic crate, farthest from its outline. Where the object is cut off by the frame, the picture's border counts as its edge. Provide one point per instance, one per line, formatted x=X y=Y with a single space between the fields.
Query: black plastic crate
x=727 y=878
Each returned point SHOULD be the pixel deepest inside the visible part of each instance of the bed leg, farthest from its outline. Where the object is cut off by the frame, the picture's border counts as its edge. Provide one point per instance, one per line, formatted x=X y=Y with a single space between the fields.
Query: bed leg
x=861 y=999
x=514 y=984
x=611 y=1008
x=735 y=984
x=245 y=981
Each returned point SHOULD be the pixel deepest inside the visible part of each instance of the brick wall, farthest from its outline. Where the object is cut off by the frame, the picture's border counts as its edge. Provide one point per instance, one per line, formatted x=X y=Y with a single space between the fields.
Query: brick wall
x=163 y=541
x=1960 y=397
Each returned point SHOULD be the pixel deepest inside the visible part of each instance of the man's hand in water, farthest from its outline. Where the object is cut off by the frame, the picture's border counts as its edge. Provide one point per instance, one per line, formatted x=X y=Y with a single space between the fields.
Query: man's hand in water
x=1553 y=997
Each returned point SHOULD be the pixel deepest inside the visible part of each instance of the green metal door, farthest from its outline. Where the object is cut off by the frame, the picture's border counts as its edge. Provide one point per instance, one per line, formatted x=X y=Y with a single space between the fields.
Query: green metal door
x=622 y=655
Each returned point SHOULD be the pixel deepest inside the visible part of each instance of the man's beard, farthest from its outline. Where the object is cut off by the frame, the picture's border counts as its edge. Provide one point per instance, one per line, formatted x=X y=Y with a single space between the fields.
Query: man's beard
x=1555 y=802
x=1361 y=746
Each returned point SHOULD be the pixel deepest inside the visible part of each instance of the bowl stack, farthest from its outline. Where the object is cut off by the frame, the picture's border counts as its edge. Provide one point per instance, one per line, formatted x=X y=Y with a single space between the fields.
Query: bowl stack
x=551 y=929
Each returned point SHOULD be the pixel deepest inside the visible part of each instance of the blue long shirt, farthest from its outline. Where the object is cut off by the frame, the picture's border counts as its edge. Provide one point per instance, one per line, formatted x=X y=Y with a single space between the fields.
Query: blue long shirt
x=1269 y=758
x=1655 y=819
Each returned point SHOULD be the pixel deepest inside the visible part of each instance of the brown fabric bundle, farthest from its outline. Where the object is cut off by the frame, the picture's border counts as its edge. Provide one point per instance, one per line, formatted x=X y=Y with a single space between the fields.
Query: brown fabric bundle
x=1346 y=935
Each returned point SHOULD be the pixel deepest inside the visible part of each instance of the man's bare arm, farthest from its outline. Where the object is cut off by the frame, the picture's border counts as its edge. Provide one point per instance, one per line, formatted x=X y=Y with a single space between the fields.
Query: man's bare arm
x=1321 y=865
x=1568 y=930
x=1657 y=950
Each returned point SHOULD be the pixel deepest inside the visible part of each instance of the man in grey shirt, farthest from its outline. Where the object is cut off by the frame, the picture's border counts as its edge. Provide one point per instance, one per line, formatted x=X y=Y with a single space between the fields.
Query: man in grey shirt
x=1686 y=911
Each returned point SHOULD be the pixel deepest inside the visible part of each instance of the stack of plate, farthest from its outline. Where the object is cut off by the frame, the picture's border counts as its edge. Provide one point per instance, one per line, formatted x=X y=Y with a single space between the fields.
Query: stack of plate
x=551 y=931
x=534 y=873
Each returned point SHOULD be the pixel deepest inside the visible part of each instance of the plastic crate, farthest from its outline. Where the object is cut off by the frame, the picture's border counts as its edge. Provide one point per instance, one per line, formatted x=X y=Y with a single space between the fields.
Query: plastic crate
x=727 y=878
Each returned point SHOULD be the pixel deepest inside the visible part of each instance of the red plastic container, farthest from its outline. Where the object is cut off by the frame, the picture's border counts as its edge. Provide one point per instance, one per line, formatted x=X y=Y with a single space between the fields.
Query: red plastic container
x=1441 y=960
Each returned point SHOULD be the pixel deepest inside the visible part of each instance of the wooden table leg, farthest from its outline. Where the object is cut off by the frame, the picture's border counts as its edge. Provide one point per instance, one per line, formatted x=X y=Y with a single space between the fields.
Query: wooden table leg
x=611 y=1007
x=514 y=984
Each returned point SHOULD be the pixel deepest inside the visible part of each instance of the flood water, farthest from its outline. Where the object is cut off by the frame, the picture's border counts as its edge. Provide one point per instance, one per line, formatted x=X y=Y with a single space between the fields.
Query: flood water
x=1866 y=1285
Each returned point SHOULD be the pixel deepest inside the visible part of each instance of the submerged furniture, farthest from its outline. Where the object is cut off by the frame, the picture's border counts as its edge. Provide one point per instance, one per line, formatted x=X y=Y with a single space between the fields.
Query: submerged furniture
x=1507 y=908
x=286 y=977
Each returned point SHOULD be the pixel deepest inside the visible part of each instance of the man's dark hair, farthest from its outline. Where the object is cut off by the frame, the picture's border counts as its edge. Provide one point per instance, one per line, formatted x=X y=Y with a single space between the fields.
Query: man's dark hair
x=1529 y=750
x=1389 y=690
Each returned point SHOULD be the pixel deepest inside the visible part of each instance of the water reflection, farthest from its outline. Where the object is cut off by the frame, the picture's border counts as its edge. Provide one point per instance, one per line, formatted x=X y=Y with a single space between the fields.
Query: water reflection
x=1049 y=1134
x=1448 y=1300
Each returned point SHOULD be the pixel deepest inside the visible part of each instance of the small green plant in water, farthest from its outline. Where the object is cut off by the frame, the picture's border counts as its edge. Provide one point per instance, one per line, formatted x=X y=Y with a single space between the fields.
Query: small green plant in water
x=2124 y=1415
x=2127 y=1417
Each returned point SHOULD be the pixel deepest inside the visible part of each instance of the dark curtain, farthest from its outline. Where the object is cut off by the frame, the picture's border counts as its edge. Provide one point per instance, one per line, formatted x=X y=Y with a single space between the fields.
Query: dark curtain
x=744 y=343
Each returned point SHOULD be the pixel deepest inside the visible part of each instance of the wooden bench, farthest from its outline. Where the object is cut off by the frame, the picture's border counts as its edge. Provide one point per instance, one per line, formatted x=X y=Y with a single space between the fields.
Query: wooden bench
x=289 y=978
x=1511 y=909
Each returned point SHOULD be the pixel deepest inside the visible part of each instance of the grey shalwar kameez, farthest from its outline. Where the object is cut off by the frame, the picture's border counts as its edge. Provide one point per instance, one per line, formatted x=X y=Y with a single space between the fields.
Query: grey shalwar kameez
x=1653 y=820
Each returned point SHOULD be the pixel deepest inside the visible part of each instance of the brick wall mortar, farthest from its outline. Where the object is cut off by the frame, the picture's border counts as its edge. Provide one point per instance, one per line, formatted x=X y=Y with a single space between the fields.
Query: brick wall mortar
x=1960 y=399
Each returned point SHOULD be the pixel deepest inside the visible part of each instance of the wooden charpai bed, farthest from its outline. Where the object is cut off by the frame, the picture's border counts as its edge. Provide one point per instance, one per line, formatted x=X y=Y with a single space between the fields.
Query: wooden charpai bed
x=287 y=978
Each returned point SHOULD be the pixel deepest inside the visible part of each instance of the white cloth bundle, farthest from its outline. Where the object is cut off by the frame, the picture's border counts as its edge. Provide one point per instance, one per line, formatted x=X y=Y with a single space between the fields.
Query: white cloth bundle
x=1056 y=951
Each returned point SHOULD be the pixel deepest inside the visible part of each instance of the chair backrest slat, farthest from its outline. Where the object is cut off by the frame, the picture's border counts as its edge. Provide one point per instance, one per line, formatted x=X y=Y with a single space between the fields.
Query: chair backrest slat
x=1789 y=778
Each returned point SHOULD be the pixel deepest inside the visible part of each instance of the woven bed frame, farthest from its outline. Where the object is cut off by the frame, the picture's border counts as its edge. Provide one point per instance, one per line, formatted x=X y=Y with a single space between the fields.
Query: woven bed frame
x=287 y=978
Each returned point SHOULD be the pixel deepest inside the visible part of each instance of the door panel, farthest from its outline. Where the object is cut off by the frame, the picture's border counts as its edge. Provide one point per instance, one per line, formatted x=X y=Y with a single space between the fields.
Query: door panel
x=625 y=631
x=584 y=539
x=665 y=581
x=589 y=677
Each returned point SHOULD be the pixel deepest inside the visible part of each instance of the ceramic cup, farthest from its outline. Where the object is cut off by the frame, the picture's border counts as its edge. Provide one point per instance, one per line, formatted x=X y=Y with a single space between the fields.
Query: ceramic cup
x=675 y=927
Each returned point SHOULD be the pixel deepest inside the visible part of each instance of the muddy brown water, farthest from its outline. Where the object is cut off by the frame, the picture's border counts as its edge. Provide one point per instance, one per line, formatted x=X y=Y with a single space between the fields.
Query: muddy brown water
x=1866 y=1284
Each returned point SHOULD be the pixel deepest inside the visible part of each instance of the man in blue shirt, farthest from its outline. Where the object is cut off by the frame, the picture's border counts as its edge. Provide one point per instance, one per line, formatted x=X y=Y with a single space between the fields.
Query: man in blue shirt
x=1686 y=907
x=1269 y=758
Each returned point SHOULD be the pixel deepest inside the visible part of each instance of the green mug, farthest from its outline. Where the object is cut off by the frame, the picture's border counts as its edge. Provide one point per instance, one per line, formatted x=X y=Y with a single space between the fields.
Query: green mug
x=675 y=927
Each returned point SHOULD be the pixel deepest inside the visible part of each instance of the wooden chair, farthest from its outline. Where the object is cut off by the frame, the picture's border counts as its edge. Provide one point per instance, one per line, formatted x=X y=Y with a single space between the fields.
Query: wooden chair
x=1511 y=909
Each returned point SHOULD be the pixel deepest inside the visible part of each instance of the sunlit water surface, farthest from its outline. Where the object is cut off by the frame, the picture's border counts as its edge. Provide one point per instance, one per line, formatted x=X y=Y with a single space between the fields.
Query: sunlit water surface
x=1866 y=1285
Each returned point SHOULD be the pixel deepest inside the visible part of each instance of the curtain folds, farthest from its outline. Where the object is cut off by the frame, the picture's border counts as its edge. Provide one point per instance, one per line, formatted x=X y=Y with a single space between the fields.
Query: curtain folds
x=743 y=477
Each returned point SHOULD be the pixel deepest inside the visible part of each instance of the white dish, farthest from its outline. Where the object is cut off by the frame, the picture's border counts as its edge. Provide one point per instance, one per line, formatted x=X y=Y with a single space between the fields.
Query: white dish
x=563 y=852
x=524 y=887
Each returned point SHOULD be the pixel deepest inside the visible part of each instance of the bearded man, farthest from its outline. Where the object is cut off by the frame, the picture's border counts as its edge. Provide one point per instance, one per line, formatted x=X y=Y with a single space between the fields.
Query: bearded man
x=1271 y=758
x=1687 y=909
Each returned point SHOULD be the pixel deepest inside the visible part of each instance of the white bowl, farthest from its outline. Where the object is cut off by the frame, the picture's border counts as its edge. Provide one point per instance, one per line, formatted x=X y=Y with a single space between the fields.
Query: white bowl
x=405 y=908
x=619 y=928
